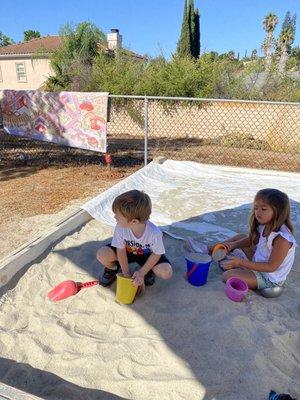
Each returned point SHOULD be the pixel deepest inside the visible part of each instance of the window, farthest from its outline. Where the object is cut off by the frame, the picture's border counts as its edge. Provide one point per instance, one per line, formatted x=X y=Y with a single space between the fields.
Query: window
x=21 y=72
x=1 y=79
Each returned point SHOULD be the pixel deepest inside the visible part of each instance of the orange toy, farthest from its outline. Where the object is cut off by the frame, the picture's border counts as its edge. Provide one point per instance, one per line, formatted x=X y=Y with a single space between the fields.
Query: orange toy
x=219 y=252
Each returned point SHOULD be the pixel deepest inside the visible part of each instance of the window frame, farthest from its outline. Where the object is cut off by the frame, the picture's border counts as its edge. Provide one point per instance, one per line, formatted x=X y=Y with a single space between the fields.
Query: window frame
x=25 y=73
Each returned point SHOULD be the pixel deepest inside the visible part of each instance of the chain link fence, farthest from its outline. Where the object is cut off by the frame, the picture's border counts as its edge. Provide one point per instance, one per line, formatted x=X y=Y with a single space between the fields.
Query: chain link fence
x=229 y=132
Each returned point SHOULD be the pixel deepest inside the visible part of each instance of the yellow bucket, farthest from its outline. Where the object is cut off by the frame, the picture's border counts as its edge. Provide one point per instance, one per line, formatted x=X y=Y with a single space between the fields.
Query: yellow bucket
x=126 y=291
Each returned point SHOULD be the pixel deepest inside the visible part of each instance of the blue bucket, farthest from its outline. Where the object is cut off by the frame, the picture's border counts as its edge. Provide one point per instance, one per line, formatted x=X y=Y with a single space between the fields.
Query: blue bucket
x=197 y=268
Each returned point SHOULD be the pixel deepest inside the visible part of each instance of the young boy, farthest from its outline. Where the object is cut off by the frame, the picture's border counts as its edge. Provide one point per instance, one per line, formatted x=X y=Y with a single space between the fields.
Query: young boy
x=135 y=239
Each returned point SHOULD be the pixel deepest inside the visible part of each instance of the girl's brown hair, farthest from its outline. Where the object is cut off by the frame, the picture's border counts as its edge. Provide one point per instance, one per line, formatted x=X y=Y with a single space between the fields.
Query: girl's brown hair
x=134 y=204
x=280 y=204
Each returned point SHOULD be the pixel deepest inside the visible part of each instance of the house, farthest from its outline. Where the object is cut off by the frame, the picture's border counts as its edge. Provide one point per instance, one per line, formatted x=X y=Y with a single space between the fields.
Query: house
x=20 y=68
x=27 y=65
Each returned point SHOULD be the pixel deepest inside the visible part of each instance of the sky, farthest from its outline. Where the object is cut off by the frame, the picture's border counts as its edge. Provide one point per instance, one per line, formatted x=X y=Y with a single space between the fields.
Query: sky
x=152 y=27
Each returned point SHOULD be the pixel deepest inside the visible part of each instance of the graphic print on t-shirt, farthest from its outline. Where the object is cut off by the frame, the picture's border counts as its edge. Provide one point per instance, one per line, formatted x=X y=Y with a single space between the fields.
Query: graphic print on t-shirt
x=137 y=248
x=149 y=242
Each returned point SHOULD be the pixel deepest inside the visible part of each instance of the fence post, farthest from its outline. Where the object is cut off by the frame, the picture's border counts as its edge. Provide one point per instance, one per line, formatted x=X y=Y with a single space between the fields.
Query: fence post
x=145 y=130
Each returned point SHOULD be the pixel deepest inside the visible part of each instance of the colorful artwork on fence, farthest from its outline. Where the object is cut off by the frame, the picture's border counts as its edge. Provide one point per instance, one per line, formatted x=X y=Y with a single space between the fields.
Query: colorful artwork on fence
x=67 y=118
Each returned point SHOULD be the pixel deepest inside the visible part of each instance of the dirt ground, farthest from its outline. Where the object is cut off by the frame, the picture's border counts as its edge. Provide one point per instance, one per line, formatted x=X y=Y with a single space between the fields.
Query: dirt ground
x=34 y=198
x=41 y=183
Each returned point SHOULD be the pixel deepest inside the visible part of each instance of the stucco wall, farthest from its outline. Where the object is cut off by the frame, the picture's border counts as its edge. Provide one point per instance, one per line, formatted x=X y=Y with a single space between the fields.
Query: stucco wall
x=37 y=71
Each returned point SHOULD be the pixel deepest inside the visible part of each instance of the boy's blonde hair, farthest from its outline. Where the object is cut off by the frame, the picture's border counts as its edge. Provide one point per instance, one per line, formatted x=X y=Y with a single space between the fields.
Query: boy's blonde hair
x=134 y=204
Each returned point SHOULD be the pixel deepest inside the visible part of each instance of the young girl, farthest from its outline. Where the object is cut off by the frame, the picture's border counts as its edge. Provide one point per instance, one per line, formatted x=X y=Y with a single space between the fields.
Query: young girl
x=270 y=244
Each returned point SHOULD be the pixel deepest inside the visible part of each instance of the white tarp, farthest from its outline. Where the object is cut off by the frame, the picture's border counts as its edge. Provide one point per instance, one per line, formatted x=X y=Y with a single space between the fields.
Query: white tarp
x=183 y=190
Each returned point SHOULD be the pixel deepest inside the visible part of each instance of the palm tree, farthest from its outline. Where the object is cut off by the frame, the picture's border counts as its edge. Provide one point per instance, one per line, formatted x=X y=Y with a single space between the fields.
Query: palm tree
x=269 y=24
x=75 y=56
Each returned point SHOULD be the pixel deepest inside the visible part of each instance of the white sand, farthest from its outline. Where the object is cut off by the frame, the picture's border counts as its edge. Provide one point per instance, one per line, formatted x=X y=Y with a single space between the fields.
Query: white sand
x=17 y=231
x=176 y=342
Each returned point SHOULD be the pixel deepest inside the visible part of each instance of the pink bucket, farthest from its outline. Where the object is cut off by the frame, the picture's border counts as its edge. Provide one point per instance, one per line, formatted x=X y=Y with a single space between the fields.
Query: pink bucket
x=236 y=289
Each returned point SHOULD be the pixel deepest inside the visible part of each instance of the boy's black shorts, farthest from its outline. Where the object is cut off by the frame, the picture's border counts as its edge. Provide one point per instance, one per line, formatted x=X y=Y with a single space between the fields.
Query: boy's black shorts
x=141 y=260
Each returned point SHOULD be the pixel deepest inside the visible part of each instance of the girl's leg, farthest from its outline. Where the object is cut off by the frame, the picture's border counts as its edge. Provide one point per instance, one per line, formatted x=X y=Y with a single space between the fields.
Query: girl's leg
x=163 y=270
x=247 y=276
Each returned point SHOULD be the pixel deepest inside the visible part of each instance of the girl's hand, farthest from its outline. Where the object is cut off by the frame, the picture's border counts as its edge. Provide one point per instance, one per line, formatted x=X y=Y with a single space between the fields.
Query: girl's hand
x=138 y=278
x=228 y=245
x=232 y=263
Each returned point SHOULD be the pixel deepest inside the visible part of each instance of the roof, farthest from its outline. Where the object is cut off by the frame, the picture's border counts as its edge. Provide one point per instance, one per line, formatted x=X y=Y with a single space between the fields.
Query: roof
x=133 y=55
x=48 y=43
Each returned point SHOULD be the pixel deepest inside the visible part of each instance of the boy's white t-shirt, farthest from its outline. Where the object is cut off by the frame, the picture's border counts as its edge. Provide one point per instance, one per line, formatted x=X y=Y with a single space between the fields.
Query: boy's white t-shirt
x=264 y=249
x=150 y=242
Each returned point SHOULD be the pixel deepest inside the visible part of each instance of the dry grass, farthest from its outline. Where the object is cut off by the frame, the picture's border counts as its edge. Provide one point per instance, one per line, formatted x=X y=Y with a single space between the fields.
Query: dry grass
x=30 y=191
x=33 y=198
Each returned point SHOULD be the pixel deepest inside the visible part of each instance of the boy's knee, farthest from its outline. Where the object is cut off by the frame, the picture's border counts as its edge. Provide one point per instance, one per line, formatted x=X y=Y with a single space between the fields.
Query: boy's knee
x=103 y=253
x=167 y=272
x=99 y=254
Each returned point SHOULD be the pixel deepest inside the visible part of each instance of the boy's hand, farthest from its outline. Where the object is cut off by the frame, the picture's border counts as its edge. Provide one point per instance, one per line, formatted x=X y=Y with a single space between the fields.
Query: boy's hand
x=138 y=278
x=233 y=262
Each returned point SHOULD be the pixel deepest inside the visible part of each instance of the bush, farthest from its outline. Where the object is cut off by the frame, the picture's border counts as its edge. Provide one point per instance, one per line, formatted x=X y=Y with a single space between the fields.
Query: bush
x=244 y=140
x=210 y=76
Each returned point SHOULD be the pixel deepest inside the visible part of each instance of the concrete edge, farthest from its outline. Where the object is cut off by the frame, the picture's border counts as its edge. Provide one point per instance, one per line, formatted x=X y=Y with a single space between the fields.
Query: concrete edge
x=10 y=393
x=30 y=251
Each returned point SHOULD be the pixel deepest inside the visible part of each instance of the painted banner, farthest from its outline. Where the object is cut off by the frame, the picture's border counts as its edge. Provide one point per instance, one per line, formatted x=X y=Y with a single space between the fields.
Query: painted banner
x=75 y=119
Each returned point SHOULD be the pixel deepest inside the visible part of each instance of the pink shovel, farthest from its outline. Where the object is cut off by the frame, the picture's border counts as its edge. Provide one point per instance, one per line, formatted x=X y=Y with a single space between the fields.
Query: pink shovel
x=68 y=288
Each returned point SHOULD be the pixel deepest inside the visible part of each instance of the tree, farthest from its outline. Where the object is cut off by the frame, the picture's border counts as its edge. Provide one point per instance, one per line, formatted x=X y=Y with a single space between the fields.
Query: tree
x=197 y=35
x=72 y=63
x=189 y=41
x=5 y=40
x=192 y=25
x=285 y=40
x=269 y=24
x=289 y=23
x=184 y=44
x=211 y=56
x=295 y=54
x=30 y=34
x=231 y=55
